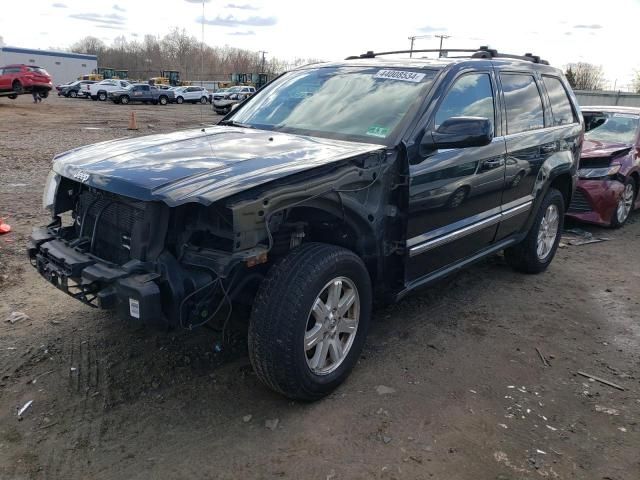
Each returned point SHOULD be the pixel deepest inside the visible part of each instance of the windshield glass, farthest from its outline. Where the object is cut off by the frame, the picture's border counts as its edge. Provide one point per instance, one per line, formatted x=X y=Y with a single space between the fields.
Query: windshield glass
x=356 y=103
x=234 y=89
x=611 y=127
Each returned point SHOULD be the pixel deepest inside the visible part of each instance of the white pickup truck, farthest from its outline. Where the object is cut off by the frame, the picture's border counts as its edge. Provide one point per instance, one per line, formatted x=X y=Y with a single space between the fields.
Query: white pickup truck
x=100 y=91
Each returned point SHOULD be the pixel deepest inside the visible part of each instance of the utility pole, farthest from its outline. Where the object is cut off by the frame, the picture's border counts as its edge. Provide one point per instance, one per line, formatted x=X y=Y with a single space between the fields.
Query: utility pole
x=414 y=38
x=263 y=54
x=202 y=49
x=441 y=37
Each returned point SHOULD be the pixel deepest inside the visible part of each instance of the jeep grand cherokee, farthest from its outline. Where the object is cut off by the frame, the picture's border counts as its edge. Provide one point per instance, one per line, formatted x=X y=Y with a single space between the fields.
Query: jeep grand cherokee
x=335 y=182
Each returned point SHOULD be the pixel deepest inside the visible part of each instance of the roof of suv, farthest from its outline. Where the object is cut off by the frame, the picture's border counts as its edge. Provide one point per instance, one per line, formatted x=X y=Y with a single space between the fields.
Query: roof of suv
x=479 y=56
x=433 y=63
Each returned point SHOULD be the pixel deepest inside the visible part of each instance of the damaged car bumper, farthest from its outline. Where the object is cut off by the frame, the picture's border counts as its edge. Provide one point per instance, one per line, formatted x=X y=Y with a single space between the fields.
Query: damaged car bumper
x=595 y=201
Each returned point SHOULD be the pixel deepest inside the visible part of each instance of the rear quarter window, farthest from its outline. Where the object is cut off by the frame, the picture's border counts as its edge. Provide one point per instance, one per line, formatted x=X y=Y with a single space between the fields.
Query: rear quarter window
x=561 y=108
x=523 y=103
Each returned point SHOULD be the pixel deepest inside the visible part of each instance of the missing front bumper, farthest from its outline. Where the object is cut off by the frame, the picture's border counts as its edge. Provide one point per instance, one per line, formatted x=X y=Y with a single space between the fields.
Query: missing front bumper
x=135 y=295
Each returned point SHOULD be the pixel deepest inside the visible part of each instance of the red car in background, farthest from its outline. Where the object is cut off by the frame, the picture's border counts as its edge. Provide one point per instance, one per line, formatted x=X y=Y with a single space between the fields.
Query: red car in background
x=21 y=79
x=607 y=191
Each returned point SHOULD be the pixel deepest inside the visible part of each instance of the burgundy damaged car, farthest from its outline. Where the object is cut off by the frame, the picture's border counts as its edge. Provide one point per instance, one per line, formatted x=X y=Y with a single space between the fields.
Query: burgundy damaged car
x=607 y=191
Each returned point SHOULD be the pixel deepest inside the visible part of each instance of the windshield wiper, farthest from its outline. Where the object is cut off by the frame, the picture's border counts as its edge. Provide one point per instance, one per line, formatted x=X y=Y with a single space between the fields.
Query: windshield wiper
x=233 y=123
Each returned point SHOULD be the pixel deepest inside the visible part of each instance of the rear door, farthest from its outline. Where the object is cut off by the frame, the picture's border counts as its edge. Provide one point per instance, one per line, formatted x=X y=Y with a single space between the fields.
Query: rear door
x=529 y=144
x=455 y=194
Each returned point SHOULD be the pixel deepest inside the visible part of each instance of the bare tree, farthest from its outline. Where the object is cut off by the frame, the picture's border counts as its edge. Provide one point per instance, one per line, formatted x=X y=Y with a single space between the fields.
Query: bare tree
x=90 y=45
x=177 y=50
x=585 y=76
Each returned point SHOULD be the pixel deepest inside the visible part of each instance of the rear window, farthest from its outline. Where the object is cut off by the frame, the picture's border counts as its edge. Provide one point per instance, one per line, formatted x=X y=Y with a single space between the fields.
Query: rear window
x=560 y=103
x=523 y=102
x=38 y=70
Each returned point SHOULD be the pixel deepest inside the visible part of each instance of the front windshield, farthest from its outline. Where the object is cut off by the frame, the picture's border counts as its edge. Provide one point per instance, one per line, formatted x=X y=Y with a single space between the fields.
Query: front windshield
x=234 y=89
x=611 y=127
x=357 y=103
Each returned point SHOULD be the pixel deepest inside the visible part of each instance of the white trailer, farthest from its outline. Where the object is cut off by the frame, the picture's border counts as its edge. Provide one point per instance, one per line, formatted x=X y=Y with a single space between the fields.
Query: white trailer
x=63 y=67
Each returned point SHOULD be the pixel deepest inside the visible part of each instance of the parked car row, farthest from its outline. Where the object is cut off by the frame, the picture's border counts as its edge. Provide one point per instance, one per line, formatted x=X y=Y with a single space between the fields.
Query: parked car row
x=123 y=92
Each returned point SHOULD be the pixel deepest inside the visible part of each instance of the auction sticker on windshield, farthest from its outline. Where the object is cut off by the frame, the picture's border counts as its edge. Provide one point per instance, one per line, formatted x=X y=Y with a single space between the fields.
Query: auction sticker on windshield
x=403 y=75
x=376 y=131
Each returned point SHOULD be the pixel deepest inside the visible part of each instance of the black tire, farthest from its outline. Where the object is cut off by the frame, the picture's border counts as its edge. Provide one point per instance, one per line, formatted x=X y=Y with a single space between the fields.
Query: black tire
x=619 y=222
x=94 y=98
x=102 y=96
x=73 y=94
x=282 y=312
x=523 y=257
x=179 y=100
x=124 y=100
x=16 y=86
x=44 y=93
x=12 y=97
x=163 y=100
x=203 y=100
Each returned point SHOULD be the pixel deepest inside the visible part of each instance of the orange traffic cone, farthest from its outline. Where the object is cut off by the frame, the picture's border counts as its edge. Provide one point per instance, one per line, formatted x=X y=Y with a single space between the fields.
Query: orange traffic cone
x=4 y=227
x=133 y=125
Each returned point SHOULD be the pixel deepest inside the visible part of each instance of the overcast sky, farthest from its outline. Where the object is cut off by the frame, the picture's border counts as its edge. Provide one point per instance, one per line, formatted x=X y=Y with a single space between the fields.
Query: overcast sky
x=604 y=33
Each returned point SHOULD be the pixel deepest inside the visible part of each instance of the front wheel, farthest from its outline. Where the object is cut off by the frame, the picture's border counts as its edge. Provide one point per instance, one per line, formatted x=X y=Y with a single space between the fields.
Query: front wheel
x=179 y=100
x=163 y=100
x=309 y=321
x=625 y=204
x=73 y=94
x=203 y=100
x=124 y=100
x=535 y=252
x=102 y=96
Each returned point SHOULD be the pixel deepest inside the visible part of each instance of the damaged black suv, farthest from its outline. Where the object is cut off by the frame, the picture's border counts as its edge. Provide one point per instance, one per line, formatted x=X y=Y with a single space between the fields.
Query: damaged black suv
x=333 y=184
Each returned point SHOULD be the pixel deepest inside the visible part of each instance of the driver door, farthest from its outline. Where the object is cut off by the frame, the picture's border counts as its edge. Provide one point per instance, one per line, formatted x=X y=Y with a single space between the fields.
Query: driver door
x=455 y=194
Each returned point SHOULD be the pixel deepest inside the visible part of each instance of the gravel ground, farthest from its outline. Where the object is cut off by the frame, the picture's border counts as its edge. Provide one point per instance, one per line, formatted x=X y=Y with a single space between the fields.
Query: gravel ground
x=450 y=385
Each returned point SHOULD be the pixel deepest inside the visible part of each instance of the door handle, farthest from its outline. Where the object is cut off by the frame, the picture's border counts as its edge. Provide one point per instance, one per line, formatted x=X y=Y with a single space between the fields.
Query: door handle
x=491 y=164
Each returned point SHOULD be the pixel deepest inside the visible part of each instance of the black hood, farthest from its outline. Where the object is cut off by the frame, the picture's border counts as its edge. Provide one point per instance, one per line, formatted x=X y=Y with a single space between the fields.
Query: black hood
x=203 y=165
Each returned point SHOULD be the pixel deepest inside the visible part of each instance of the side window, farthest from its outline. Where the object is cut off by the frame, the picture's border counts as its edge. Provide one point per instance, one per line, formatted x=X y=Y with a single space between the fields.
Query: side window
x=523 y=102
x=560 y=103
x=470 y=96
x=144 y=88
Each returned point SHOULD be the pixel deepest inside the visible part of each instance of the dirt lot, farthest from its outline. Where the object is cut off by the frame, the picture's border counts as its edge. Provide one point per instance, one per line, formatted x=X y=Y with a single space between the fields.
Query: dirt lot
x=468 y=396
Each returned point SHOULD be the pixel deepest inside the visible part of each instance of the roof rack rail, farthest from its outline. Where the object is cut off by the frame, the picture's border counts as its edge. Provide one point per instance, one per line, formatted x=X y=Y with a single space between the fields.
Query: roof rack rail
x=482 y=52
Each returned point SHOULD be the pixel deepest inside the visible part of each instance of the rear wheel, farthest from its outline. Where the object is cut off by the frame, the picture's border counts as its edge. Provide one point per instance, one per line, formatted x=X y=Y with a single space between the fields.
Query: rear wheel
x=102 y=96
x=163 y=100
x=309 y=321
x=16 y=86
x=536 y=251
x=124 y=100
x=12 y=97
x=179 y=100
x=625 y=204
x=73 y=94
x=203 y=100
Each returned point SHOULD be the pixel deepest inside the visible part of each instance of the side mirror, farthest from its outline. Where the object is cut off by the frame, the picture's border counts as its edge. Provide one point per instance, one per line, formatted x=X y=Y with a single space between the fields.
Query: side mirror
x=459 y=132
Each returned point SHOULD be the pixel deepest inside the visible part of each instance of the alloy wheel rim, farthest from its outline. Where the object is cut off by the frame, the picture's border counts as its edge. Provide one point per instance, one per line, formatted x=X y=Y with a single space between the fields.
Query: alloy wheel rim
x=548 y=231
x=331 y=326
x=625 y=204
